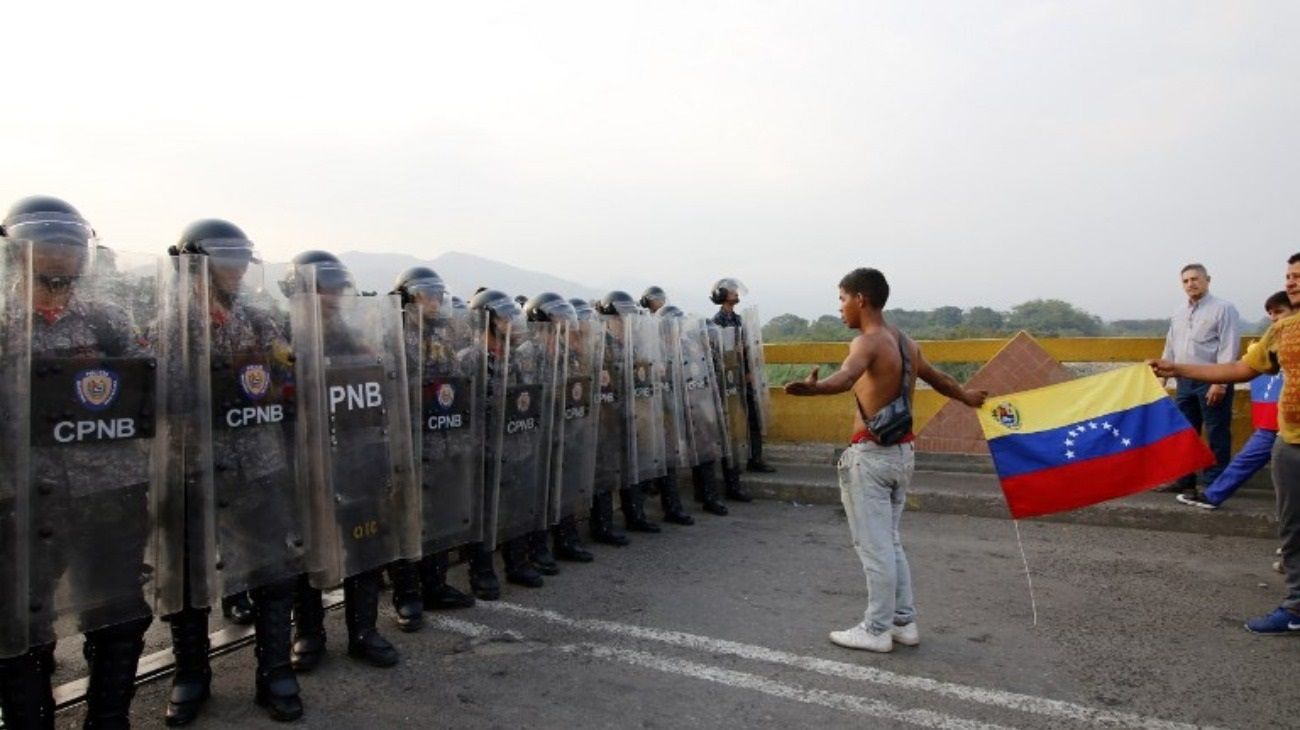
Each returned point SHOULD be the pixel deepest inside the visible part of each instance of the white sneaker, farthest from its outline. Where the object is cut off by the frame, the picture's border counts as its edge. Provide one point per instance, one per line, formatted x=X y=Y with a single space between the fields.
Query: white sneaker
x=859 y=637
x=907 y=634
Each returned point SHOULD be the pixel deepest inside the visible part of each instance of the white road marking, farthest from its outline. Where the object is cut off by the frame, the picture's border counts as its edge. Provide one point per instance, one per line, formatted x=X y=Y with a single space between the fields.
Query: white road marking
x=742 y=680
x=1056 y=709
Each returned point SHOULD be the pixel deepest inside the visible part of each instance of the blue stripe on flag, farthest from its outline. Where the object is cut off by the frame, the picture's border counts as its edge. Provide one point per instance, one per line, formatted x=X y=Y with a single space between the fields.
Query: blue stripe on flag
x=1016 y=454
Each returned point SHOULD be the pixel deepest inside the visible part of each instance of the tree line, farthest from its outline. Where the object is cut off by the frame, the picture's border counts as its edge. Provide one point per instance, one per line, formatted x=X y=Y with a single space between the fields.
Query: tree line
x=1039 y=317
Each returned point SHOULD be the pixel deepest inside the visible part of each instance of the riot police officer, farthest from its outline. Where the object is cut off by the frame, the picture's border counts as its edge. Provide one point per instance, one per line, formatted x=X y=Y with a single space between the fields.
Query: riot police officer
x=87 y=519
x=256 y=523
x=573 y=457
x=726 y=294
x=316 y=282
x=516 y=367
x=640 y=410
x=451 y=454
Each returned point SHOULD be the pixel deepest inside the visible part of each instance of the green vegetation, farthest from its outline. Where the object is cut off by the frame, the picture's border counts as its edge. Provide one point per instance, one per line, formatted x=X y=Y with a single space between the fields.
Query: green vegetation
x=1039 y=317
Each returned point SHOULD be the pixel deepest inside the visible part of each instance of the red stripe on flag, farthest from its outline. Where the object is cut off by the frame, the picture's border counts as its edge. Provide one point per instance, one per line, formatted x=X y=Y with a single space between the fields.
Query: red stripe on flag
x=1088 y=482
x=1264 y=415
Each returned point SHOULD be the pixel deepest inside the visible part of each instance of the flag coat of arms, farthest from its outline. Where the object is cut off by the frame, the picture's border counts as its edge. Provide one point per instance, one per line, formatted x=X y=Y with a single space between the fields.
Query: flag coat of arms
x=1088 y=440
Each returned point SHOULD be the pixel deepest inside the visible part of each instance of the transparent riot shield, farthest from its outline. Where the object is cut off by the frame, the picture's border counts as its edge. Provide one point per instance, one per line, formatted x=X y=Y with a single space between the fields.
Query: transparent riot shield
x=614 y=442
x=354 y=431
x=756 y=366
x=233 y=418
x=450 y=422
x=731 y=385
x=100 y=528
x=520 y=409
x=645 y=357
x=579 y=421
x=15 y=475
x=671 y=383
x=704 y=428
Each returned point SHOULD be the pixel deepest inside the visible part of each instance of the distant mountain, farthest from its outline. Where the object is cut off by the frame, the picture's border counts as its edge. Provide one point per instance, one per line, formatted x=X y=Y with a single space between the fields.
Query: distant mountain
x=463 y=273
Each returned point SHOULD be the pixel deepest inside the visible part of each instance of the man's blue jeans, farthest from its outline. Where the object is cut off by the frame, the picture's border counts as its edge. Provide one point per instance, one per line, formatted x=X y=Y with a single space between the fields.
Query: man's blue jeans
x=1254 y=455
x=1217 y=422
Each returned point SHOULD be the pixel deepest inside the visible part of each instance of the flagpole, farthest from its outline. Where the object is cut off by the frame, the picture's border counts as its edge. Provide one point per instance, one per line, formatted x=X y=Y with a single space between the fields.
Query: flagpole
x=1033 y=603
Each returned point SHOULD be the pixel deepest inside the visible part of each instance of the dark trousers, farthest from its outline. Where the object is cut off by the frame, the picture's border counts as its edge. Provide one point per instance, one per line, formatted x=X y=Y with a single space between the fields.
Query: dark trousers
x=1286 y=481
x=1216 y=421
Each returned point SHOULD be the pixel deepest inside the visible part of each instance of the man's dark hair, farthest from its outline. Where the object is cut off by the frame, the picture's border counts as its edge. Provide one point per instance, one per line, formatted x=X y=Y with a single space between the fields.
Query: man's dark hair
x=1278 y=300
x=1295 y=259
x=1194 y=267
x=870 y=283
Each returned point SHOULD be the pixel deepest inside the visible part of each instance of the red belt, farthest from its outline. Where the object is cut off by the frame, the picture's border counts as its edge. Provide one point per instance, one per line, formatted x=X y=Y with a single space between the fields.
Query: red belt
x=867 y=435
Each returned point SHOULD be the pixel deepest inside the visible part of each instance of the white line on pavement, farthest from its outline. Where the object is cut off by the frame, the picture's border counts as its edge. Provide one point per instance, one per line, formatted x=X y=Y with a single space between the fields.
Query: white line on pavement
x=1057 y=709
x=743 y=680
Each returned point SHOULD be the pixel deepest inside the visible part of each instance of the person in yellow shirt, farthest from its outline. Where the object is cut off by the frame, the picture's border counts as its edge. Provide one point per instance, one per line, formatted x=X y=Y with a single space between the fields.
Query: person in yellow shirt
x=1278 y=350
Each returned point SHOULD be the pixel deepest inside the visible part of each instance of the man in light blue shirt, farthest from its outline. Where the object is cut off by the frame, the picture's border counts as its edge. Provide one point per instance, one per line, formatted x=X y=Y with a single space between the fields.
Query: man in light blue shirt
x=1206 y=330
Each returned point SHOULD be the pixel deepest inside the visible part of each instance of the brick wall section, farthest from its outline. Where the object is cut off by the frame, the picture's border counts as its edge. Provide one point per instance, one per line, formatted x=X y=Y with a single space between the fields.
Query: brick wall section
x=1021 y=365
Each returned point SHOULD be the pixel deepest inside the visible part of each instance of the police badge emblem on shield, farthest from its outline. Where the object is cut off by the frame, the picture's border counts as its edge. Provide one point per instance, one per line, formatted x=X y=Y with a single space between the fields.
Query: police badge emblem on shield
x=96 y=389
x=255 y=381
x=604 y=379
x=1006 y=414
x=523 y=401
x=575 y=393
x=446 y=395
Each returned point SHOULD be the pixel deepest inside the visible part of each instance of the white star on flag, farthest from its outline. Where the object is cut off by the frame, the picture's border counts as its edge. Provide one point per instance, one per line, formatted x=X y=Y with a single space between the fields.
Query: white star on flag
x=1092 y=425
x=1069 y=454
x=1069 y=442
x=1126 y=442
x=1106 y=425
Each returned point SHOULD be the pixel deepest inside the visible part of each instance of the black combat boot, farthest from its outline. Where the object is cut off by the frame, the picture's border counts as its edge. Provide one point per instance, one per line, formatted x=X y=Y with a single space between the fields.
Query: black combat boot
x=632 y=500
x=734 y=491
x=309 y=627
x=519 y=569
x=112 y=655
x=705 y=481
x=568 y=544
x=361 y=610
x=670 y=499
x=482 y=575
x=539 y=550
x=26 y=697
x=437 y=595
x=277 y=684
x=238 y=609
x=602 y=521
x=191 y=685
x=407 y=601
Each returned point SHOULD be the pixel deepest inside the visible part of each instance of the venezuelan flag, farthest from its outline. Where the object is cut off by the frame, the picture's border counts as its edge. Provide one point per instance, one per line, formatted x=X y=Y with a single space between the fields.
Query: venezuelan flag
x=1089 y=440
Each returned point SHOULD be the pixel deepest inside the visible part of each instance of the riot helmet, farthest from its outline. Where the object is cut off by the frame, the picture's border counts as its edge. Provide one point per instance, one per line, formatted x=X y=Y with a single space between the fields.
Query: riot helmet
x=670 y=312
x=229 y=251
x=618 y=303
x=653 y=298
x=421 y=285
x=582 y=308
x=330 y=275
x=63 y=243
x=501 y=311
x=722 y=288
x=549 y=307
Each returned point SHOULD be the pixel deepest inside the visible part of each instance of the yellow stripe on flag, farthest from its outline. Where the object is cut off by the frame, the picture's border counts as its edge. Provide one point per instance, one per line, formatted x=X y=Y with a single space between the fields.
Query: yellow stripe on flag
x=1054 y=406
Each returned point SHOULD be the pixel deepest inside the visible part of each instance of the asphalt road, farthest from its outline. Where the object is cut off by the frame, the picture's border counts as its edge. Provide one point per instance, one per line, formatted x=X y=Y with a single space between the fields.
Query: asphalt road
x=724 y=625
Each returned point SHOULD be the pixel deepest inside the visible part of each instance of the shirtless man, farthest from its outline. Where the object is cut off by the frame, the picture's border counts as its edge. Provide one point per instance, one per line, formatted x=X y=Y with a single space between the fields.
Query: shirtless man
x=874 y=476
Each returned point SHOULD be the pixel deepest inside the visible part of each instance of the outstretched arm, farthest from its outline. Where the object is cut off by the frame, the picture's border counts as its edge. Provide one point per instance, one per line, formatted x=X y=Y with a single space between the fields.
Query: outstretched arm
x=1230 y=372
x=947 y=385
x=850 y=370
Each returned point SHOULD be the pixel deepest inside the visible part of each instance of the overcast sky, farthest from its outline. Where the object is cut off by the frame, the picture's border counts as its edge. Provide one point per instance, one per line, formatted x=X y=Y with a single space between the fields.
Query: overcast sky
x=977 y=152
